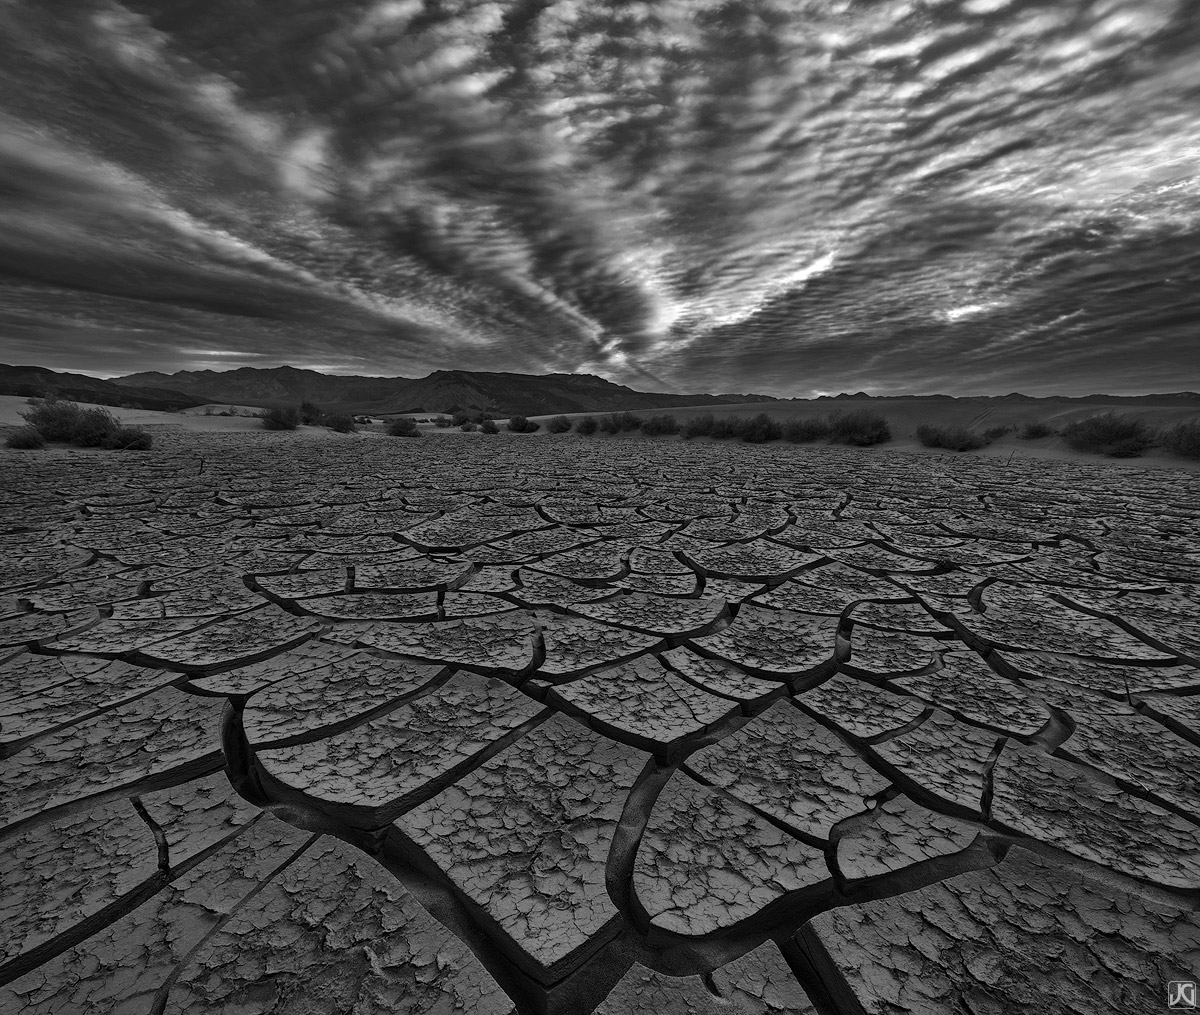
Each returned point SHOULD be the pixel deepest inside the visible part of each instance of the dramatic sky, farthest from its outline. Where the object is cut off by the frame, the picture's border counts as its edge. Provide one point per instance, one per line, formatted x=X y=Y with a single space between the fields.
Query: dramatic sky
x=782 y=196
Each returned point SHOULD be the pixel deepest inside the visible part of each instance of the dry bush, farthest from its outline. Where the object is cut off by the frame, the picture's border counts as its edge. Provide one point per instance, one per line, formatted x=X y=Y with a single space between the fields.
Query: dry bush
x=558 y=424
x=726 y=427
x=760 y=429
x=1109 y=433
x=54 y=418
x=280 y=418
x=1184 y=439
x=93 y=428
x=699 y=426
x=25 y=439
x=953 y=438
x=129 y=438
x=804 y=431
x=1036 y=431
x=586 y=425
x=342 y=422
x=861 y=428
x=520 y=424
x=403 y=426
x=659 y=425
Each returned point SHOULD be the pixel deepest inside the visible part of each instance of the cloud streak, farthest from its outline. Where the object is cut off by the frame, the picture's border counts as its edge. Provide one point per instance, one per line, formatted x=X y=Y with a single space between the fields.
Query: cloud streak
x=775 y=196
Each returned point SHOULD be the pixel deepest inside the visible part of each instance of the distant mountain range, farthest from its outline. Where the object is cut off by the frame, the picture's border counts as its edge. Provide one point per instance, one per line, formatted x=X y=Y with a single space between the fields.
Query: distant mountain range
x=36 y=382
x=443 y=391
x=1179 y=397
x=502 y=394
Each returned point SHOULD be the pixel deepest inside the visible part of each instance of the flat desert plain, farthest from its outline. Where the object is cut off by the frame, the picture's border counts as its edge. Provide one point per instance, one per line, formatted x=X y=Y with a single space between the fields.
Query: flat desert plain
x=307 y=722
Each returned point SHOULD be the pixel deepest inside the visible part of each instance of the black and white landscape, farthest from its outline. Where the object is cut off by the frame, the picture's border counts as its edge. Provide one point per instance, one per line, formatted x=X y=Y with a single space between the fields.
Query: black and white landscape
x=546 y=507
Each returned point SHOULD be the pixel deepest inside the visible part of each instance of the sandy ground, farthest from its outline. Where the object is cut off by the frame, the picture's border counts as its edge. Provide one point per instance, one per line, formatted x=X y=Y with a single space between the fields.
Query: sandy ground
x=904 y=415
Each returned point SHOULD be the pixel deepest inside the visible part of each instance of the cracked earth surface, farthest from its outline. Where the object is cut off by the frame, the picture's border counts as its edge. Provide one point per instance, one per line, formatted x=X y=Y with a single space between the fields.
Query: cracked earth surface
x=530 y=727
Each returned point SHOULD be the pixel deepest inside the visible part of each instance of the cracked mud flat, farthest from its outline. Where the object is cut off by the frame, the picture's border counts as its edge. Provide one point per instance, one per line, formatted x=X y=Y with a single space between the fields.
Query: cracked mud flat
x=291 y=724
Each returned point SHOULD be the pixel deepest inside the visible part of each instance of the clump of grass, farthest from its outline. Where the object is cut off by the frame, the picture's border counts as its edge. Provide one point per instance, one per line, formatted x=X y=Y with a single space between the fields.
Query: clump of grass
x=1184 y=439
x=586 y=425
x=699 y=426
x=994 y=433
x=341 y=422
x=280 y=418
x=1109 y=433
x=804 y=431
x=520 y=424
x=129 y=438
x=660 y=425
x=310 y=414
x=860 y=428
x=953 y=438
x=1036 y=431
x=760 y=429
x=403 y=426
x=558 y=424
x=610 y=423
x=54 y=418
x=489 y=426
x=25 y=439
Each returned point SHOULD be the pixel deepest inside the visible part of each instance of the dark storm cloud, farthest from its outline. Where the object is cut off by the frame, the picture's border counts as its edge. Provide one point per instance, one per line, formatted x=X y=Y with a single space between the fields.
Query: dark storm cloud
x=779 y=195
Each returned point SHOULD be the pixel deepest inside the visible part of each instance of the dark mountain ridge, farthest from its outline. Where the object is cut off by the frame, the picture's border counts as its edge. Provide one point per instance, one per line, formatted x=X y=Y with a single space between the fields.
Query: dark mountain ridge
x=441 y=391
x=37 y=382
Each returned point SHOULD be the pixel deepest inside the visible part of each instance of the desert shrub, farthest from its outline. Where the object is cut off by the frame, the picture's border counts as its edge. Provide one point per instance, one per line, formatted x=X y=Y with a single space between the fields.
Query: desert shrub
x=586 y=425
x=1184 y=439
x=861 y=428
x=726 y=427
x=610 y=423
x=760 y=429
x=558 y=424
x=25 y=439
x=656 y=425
x=1035 y=431
x=468 y=426
x=93 y=427
x=519 y=424
x=1109 y=433
x=342 y=422
x=459 y=418
x=441 y=422
x=699 y=426
x=804 y=431
x=953 y=438
x=403 y=426
x=54 y=418
x=310 y=415
x=129 y=438
x=994 y=433
x=489 y=426
x=630 y=421
x=280 y=418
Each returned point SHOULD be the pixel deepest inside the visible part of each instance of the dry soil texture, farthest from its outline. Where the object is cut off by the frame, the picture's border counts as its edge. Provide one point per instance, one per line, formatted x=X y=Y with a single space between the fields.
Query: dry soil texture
x=302 y=723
